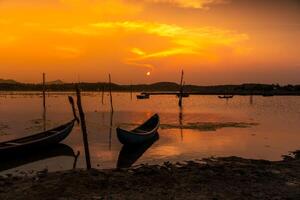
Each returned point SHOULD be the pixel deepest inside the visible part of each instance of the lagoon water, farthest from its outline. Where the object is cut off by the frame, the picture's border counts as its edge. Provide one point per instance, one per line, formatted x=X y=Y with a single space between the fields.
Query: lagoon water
x=277 y=131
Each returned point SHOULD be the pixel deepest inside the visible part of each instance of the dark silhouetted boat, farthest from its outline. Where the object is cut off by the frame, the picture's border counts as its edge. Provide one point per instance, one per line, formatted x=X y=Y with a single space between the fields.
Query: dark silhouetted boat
x=130 y=154
x=183 y=95
x=37 y=141
x=23 y=158
x=226 y=97
x=267 y=94
x=143 y=96
x=141 y=134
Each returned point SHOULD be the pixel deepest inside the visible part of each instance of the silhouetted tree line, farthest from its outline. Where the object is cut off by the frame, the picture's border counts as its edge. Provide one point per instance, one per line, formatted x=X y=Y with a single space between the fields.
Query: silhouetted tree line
x=161 y=86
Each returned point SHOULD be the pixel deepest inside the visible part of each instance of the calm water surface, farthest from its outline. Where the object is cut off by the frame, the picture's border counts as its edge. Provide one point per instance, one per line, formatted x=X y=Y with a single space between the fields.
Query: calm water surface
x=277 y=132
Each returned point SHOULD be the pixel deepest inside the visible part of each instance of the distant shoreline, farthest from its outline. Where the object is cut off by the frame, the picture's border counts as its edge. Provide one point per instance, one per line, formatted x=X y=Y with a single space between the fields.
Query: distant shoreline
x=23 y=92
x=161 y=88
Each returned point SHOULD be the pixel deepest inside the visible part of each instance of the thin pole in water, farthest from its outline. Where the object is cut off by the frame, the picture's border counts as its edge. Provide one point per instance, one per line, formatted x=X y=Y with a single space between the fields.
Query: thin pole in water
x=111 y=101
x=180 y=122
x=102 y=99
x=73 y=108
x=181 y=90
x=83 y=128
x=110 y=129
x=251 y=99
x=131 y=91
x=44 y=90
x=44 y=101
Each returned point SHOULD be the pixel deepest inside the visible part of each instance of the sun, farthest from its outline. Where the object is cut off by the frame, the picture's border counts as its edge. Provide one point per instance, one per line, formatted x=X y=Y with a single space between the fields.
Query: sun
x=148 y=73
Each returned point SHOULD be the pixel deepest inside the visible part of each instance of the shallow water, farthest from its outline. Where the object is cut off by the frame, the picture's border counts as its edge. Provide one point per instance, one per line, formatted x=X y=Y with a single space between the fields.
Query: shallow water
x=274 y=127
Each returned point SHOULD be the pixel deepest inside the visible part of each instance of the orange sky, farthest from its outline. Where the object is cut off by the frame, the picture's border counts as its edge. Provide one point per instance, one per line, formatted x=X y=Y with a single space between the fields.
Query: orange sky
x=214 y=41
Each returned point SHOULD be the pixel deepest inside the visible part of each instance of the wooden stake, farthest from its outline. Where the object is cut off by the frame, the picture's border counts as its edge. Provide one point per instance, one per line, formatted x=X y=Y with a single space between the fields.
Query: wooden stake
x=110 y=129
x=44 y=101
x=75 y=159
x=102 y=95
x=180 y=122
x=181 y=90
x=83 y=128
x=44 y=119
x=73 y=108
x=111 y=101
x=251 y=99
x=44 y=90
x=131 y=91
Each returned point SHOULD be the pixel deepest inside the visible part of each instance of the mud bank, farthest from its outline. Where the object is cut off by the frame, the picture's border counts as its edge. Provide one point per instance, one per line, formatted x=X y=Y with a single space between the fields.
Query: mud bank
x=211 y=178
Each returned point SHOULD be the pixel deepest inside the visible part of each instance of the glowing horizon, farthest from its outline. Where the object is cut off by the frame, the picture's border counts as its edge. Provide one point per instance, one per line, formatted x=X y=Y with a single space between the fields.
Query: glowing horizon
x=214 y=41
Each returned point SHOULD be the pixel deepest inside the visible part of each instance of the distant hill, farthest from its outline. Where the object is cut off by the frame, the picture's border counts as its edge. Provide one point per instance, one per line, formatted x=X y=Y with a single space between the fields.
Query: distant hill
x=242 y=89
x=56 y=82
x=8 y=81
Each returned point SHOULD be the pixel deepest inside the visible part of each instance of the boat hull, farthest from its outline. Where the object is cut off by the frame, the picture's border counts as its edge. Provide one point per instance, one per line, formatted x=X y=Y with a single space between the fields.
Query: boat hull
x=37 y=141
x=142 y=96
x=141 y=134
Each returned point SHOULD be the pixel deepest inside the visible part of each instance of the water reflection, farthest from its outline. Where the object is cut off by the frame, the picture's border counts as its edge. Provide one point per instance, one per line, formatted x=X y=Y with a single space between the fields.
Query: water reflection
x=110 y=130
x=130 y=154
x=180 y=122
x=10 y=162
x=278 y=119
x=251 y=99
x=44 y=118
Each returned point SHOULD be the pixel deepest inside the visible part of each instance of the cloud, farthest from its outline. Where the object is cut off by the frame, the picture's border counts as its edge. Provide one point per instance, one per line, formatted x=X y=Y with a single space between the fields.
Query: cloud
x=67 y=51
x=198 y=4
x=208 y=42
x=137 y=51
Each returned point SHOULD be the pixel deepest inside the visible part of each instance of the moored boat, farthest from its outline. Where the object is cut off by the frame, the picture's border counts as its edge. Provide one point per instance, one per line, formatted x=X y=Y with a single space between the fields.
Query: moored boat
x=183 y=95
x=143 y=96
x=40 y=140
x=226 y=97
x=141 y=134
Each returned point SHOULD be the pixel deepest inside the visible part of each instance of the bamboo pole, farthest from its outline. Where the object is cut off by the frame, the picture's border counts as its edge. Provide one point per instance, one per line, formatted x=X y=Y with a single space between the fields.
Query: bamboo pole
x=131 y=91
x=181 y=90
x=83 y=128
x=73 y=108
x=102 y=98
x=44 y=101
x=251 y=99
x=110 y=129
x=75 y=159
x=111 y=100
x=180 y=122
x=44 y=90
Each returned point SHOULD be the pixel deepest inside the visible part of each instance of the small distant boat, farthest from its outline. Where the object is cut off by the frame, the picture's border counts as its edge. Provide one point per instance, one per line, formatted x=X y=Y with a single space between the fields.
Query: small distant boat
x=268 y=95
x=40 y=140
x=226 y=97
x=141 y=134
x=143 y=96
x=183 y=95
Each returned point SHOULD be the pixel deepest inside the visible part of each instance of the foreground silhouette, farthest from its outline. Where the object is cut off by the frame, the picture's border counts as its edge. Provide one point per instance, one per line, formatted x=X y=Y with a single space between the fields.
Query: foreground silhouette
x=130 y=154
x=30 y=157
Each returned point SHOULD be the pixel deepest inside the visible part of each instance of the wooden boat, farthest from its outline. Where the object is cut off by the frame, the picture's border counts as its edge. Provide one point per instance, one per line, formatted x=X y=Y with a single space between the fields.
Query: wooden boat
x=130 y=154
x=141 y=134
x=226 y=97
x=40 y=140
x=183 y=95
x=143 y=96
x=267 y=94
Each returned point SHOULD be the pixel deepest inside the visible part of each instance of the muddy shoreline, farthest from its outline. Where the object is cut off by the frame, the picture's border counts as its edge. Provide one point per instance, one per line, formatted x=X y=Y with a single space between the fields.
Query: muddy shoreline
x=210 y=178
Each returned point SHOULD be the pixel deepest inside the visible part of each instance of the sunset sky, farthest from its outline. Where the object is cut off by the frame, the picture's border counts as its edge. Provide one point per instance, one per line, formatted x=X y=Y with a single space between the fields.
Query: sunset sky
x=214 y=41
